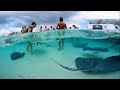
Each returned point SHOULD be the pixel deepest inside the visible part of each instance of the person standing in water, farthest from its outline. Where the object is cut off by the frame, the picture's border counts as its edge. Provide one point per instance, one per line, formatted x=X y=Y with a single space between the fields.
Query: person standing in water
x=51 y=28
x=23 y=29
x=61 y=26
x=30 y=29
x=45 y=28
x=40 y=28
x=30 y=44
x=75 y=27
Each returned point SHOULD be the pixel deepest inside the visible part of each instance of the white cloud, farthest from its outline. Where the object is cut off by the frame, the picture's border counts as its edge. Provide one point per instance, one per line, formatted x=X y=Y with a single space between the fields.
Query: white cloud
x=87 y=15
x=97 y=15
x=9 y=30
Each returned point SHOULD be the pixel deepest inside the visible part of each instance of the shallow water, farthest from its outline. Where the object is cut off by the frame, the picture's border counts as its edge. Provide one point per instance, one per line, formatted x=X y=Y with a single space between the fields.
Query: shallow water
x=39 y=64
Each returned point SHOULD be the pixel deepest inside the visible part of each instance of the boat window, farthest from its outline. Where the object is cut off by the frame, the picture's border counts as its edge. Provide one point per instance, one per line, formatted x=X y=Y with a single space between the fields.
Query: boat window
x=97 y=27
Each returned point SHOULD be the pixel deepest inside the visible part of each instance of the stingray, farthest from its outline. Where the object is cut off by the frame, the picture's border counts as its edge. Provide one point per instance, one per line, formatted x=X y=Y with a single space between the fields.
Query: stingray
x=8 y=41
x=96 y=49
x=95 y=65
x=17 y=55
x=80 y=45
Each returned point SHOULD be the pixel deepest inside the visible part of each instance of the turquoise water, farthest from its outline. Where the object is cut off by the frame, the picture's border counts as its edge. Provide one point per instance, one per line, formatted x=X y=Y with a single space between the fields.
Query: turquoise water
x=39 y=64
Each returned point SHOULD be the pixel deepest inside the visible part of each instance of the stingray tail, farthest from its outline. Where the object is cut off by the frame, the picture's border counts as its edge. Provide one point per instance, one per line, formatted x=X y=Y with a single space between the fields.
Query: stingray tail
x=115 y=44
x=68 y=68
x=21 y=76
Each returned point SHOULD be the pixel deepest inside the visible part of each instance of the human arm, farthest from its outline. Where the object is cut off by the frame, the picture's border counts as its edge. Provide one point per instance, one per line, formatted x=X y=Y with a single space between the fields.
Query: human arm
x=57 y=26
x=65 y=26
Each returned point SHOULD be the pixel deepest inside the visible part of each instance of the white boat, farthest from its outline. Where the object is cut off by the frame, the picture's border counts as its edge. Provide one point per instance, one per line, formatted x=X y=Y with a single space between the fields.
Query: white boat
x=104 y=27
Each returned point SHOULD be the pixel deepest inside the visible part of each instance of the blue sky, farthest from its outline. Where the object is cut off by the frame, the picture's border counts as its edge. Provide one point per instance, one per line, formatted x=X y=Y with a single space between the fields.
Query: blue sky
x=13 y=20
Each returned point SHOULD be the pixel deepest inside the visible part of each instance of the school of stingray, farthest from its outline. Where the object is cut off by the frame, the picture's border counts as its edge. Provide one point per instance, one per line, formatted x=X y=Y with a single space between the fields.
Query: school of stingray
x=93 y=65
